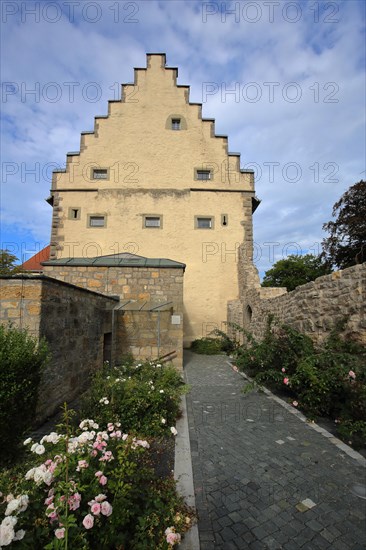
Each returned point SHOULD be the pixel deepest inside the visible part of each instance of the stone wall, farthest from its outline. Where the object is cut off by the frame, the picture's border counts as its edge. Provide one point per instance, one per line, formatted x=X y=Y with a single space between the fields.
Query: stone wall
x=137 y=331
x=313 y=308
x=73 y=321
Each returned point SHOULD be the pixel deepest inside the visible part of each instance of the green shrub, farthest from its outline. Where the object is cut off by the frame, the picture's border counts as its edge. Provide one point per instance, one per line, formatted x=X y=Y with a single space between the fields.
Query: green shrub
x=22 y=359
x=207 y=346
x=353 y=432
x=144 y=397
x=215 y=345
x=276 y=356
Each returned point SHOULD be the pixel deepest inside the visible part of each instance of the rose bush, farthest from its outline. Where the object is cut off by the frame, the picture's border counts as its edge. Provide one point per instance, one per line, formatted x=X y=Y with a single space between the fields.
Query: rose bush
x=140 y=394
x=92 y=488
x=92 y=484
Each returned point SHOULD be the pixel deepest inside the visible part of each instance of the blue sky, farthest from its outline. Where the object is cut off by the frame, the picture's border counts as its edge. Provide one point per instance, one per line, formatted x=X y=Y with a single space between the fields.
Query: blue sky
x=284 y=80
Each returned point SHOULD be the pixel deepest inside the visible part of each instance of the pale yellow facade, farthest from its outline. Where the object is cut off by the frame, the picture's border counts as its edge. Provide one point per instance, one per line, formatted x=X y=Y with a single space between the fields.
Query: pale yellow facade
x=149 y=148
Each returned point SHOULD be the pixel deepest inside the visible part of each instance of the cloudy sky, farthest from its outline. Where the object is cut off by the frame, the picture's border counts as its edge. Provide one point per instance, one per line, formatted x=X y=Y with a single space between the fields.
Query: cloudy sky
x=284 y=80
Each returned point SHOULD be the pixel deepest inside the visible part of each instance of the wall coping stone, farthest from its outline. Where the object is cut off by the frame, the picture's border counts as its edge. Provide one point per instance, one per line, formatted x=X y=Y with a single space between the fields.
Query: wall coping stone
x=52 y=280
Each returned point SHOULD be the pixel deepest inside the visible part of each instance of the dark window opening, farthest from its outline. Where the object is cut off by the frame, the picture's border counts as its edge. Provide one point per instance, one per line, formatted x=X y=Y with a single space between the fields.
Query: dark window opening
x=203 y=175
x=100 y=173
x=204 y=223
x=152 y=221
x=97 y=221
x=175 y=123
x=107 y=347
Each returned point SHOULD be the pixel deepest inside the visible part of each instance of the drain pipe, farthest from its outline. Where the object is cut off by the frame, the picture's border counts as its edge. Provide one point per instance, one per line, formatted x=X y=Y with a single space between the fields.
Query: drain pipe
x=159 y=333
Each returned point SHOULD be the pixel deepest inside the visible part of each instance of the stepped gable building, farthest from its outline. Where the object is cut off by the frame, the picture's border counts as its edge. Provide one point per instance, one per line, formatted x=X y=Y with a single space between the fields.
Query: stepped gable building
x=153 y=179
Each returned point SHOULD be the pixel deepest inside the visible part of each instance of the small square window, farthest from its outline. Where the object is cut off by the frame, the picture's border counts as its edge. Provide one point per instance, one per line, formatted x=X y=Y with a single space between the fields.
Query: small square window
x=152 y=221
x=175 y=123
x=100 y=173
x=204 y=223
x=203 y=175
x=96 y=221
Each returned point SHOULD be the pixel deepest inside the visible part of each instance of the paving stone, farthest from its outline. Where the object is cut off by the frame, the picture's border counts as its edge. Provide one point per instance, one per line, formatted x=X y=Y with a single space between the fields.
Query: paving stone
x=228 y=534
x=240 y=529
x=259 y=532
x=314 y=525
x=225 y=521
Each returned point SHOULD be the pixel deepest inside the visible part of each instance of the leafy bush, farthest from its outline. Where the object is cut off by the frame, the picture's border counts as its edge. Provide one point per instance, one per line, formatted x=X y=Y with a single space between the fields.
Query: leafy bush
x=144 y=396
x=214 y=346
x=354 y=432
x=279 y=352
x=91 y=488
x=22 y=359
x=207 y=346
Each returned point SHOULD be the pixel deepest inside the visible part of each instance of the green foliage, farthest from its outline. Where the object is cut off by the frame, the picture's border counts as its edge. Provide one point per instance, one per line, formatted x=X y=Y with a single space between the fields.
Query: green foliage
x=354 y=432
x=207 y=346
x=345 y=245
x=294 y=271
x=140 y=395
x=8 y=263
x=329 y=381
x=221 y=343
x=22 y=360
x=227 y=344
x=281 y=348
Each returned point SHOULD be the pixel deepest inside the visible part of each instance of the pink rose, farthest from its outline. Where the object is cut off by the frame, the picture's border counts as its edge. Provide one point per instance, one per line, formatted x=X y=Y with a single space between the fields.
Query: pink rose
x=88 y=521
x=98 y=474
x=100 y=497
x=103 y=480
x=60 y=533
x=106 y=508
x=286 y=381
x=74 y=501
x=283 y=369
x=351 y=374
x=95 y=508
x=295 y=403
x=173 y=538
x=81 y=465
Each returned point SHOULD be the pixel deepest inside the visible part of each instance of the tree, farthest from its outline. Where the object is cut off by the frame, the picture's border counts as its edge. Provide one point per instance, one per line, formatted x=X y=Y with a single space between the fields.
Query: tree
x=7 y=263
x=294 y=271
x=346 y=244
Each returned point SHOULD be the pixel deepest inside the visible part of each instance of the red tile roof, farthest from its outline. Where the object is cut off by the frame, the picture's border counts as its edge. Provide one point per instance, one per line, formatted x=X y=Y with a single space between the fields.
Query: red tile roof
x=34 y=263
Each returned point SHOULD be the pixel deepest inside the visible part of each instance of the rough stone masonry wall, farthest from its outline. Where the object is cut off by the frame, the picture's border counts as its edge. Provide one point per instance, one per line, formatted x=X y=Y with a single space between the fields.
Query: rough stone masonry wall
x=313 y=308
x=136 y=332
x=72 y=320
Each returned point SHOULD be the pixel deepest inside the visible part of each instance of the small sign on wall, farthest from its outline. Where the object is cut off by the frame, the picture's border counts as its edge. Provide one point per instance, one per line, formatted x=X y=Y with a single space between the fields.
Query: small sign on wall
x=175 y=319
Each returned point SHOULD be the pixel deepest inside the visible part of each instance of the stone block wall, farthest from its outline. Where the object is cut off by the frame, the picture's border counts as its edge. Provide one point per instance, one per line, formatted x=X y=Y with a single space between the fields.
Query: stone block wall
x=148 y=334
x=313 y=308
x=21 y=299
x=71 y=319
x=137 y=331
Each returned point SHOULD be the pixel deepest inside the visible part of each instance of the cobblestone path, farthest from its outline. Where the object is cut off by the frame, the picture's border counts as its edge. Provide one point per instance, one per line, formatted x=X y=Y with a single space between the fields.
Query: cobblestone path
x=263 y=478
